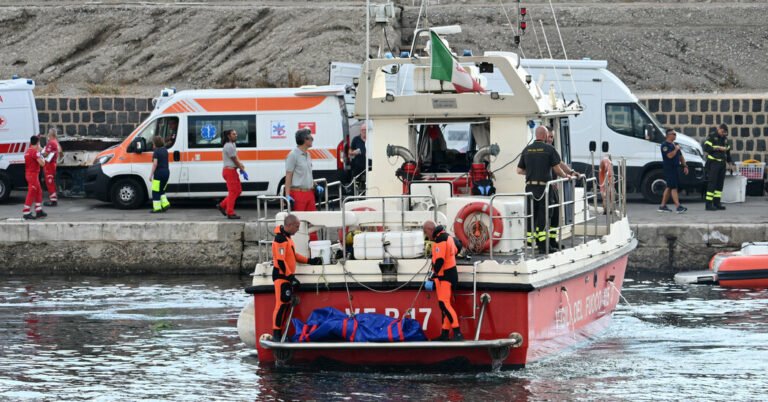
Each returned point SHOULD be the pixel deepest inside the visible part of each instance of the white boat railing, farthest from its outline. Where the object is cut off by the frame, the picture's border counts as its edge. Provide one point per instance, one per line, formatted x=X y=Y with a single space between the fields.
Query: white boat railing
x=614 y=200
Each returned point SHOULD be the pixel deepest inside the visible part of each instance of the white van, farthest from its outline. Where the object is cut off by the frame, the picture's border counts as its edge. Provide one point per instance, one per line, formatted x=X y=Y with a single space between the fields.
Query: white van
x=18 y=122
x=191 y=123
x=613 y=118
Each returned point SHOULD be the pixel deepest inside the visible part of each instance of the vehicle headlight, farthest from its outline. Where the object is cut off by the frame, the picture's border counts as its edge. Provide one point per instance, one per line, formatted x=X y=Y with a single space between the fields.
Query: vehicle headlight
x=690 y=150
x=104 y=159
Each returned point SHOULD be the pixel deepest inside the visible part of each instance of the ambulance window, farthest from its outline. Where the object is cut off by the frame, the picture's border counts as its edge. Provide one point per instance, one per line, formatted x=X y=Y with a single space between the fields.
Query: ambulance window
x=205 y=131
x=168 y=127
x=146 y=136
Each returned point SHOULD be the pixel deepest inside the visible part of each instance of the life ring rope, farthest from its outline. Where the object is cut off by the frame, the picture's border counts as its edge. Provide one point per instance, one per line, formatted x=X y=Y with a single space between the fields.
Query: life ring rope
x=605 y=173
x=482 y=208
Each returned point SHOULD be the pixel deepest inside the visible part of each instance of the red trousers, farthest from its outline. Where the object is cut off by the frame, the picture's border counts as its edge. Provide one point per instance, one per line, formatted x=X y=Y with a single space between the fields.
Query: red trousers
x=34 y=193
x=304 y=201
x=234 y=188
x=50 y=180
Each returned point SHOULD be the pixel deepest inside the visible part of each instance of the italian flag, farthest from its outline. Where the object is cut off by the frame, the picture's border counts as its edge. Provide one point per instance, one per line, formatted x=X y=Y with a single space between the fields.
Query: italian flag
x=446 y=68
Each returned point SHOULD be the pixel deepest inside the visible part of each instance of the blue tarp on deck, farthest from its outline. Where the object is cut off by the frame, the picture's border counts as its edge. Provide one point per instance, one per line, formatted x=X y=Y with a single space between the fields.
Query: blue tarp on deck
x=331 y=325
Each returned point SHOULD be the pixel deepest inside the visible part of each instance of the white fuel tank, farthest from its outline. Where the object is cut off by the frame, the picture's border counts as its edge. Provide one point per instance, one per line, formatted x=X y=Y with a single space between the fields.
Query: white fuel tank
x=372 y=245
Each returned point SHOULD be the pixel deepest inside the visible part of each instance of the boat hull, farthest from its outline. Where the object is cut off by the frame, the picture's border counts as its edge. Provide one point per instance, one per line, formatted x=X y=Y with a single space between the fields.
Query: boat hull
x=550 y=317
x=743 y=271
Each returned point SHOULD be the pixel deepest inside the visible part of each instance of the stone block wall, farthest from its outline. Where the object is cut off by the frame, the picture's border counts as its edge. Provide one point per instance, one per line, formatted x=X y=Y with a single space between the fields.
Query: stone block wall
x=93 y=116
x=698 y=115
x=693 y=115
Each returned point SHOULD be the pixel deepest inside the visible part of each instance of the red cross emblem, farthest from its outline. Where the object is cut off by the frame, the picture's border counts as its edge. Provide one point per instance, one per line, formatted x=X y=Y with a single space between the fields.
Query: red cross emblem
x=2 y=121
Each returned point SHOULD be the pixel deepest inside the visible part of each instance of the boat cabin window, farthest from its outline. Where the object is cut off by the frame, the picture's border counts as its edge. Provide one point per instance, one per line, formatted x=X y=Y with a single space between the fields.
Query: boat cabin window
x=205 y=131
x=448 y=147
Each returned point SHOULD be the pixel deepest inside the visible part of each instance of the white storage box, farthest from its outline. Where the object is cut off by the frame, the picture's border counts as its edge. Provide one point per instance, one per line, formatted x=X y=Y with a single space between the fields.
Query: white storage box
x=734 y=189
x=370 y=245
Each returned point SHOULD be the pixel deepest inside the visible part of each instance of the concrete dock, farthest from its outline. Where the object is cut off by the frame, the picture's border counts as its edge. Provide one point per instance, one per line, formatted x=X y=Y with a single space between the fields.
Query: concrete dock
x=90 y=237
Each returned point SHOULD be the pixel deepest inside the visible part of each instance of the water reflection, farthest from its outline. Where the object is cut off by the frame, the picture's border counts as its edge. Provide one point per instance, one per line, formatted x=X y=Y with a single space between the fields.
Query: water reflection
x=170 y=338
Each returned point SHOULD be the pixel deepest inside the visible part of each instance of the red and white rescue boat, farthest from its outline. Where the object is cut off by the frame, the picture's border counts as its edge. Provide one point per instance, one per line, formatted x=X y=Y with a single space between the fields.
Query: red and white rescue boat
x=515 y=305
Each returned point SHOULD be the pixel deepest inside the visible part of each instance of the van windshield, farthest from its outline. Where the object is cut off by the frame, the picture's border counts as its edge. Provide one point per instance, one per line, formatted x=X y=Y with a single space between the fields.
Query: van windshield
x=651 y=116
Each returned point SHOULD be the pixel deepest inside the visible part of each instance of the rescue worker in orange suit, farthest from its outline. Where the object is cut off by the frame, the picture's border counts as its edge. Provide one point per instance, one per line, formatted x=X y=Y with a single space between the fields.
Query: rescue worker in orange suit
x=445 y=278
x=284 y=259
x=51 y=154
x=33 y=161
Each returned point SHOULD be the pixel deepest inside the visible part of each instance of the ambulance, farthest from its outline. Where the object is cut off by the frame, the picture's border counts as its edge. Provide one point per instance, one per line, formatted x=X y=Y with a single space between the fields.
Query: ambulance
x=191 y=123
x=18 y=122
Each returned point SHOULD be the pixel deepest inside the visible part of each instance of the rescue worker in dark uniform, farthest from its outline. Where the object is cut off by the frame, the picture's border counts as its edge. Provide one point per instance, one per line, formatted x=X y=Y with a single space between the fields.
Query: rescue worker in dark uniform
x=446 y=278
x=537 y=162
x=284 y=258
x=718 y=153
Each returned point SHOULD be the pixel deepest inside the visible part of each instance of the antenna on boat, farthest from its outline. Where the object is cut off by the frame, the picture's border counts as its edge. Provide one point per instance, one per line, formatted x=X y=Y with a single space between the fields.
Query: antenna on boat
x=515 y=32
x=565 y=54
x=554 y=68
x=367 y=87
x=536 y=35
x=422 y=9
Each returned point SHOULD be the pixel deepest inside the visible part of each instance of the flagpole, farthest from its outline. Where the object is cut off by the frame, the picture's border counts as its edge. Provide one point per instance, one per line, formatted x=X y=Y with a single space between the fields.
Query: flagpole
x=367 y=86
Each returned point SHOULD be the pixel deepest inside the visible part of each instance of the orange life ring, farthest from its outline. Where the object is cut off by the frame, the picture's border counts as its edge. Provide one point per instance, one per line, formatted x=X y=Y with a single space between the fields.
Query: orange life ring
x=359 y=209
x=605 y=174
x=483 y=208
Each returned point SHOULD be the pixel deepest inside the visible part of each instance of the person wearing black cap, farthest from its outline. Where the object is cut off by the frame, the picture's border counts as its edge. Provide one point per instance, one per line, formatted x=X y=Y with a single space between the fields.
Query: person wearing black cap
x=718 y=153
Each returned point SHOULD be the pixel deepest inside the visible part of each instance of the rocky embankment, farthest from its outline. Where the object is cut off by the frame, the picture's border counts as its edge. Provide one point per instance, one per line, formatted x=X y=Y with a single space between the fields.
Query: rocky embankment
x=136 y=48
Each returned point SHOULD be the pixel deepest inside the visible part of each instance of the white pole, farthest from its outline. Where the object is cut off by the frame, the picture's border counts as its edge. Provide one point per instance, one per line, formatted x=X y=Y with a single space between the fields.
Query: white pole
x=367 y=86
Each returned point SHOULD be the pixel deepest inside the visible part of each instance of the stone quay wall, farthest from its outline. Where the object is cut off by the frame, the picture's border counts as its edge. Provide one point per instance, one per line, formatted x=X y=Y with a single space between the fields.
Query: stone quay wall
x=117 y=248
x=698 y=115
x=93 y=116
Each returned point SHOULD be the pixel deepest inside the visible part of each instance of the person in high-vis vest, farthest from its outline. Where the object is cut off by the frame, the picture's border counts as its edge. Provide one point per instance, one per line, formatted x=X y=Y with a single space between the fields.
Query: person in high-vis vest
x=284 y=259
x=718 y=153
x=445 y=277
x=538 y=162
x=159 y=176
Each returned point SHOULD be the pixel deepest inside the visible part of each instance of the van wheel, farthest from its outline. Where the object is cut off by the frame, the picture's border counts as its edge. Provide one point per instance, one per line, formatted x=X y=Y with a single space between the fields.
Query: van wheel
x=5 y=187
x=653 y=186
x=127 y=194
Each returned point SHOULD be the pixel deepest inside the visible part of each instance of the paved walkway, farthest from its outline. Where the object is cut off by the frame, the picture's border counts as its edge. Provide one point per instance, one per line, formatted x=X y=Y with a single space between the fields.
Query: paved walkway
x=755 y=210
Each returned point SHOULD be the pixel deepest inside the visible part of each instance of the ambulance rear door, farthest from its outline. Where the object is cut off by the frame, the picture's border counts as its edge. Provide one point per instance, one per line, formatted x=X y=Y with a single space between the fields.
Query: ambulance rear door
x=18 y=122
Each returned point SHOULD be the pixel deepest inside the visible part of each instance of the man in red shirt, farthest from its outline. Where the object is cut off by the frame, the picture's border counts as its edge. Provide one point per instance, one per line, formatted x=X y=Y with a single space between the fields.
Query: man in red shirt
x=51 y=154
x=33 y=161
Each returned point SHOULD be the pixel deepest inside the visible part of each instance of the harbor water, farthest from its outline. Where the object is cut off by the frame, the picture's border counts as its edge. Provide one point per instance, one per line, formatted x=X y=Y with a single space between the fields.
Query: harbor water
x=174 y=338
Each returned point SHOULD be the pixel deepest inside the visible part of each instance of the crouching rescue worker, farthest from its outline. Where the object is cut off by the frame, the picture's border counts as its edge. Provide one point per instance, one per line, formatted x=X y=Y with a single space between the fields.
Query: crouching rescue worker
x=284 y=258
x=445 y=276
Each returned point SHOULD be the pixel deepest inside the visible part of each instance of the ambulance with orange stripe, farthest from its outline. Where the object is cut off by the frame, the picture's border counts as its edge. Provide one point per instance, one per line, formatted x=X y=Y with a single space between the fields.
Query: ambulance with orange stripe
x=18 y=122
x=191 y=123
